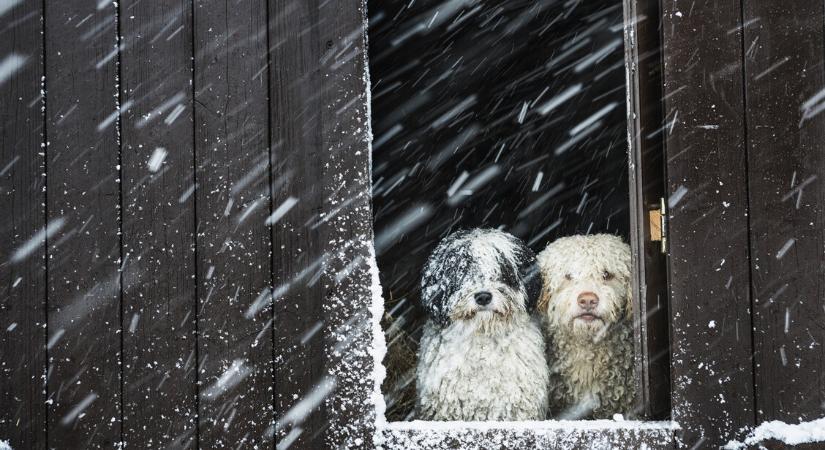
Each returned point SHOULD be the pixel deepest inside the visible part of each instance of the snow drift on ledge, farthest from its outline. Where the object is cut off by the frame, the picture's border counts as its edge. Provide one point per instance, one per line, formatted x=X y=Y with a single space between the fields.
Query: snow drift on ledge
x=801 y=433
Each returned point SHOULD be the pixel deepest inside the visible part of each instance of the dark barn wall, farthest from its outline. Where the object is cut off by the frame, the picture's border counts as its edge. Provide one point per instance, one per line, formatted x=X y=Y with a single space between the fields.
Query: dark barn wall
x=164 y=165
x=465 y=92
x=743 y=108
x=133 y=280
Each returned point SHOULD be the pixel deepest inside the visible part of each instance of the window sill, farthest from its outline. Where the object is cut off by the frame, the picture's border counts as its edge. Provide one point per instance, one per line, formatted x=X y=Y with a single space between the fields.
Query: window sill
x=517 y=435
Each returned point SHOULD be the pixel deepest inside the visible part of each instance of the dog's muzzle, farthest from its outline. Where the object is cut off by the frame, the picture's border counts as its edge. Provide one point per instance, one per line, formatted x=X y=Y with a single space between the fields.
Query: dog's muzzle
x=588 y=301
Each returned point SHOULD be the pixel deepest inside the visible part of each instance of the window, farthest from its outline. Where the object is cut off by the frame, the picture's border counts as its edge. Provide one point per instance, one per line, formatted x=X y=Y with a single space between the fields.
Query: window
x=510 y=115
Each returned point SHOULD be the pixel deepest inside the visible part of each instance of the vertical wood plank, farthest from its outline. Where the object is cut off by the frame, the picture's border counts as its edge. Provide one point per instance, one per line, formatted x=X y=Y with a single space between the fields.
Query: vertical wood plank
x=159 y=302
x=84 y=196
x=349 y=280
x=22 y=198
x=647 y=179
x=233 y=242
x=785 y=46
x=709 y=266
x=298 y=89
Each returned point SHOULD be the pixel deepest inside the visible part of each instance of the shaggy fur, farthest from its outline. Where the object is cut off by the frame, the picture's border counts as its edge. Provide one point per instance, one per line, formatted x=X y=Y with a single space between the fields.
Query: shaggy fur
x=481 y=361
x=593 y=373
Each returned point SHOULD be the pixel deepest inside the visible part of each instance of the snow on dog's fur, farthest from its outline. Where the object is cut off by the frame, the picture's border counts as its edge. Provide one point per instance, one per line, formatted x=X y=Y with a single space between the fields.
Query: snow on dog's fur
x=587 y=315
x=482 y=354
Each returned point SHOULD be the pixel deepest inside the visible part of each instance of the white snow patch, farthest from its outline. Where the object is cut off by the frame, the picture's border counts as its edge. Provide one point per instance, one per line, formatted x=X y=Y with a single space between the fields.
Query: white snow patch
x=536 y=425
x=229 y=379
x=554 y=102
x=782 y=251
x=156 y=159
x=4 y=445
x=300 y=410
x=792 y=434
x=676 y=197
x=6 y=6
x=37 y=240
x=281 y=211
x=10 y=64
x=535 y=434
x=77 y=411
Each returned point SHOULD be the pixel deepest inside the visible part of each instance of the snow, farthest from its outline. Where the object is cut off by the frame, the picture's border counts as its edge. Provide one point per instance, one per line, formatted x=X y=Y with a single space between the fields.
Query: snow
x=228 y=380
x=10 y=64
x=77 y=411
x=539 y=426
x=599 y=434
x=156 y=159
x=281 y=211
x=37 y=240
x=792 y=434
x=4 y=445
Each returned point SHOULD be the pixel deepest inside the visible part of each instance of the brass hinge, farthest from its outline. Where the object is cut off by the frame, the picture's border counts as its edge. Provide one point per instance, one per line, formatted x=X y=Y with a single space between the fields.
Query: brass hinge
x=658 y=224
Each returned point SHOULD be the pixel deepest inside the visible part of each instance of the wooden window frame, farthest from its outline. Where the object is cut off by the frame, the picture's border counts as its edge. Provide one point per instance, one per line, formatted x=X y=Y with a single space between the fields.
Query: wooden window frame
x=355 y=302
x=714 y=376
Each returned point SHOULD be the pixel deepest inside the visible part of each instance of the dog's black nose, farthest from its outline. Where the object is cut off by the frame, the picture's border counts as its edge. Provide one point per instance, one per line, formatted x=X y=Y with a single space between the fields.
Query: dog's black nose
x=484 y=298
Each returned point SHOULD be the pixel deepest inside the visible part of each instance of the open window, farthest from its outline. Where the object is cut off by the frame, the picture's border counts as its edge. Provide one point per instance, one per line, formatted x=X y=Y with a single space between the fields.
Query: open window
x=524 y=117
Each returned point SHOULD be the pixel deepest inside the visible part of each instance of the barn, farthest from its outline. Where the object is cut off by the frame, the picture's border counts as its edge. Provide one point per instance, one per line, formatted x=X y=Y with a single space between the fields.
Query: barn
x=214 y=213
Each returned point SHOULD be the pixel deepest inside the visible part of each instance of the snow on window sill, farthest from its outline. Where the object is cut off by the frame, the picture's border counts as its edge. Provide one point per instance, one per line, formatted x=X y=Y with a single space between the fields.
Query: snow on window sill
x=538 y=425
x=791 y=434
x=517 y=435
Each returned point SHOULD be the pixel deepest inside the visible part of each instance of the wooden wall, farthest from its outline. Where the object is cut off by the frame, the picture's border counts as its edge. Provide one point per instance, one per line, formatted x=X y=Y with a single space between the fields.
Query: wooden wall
x=162 y=182
x=185 y=212
x=743 y=86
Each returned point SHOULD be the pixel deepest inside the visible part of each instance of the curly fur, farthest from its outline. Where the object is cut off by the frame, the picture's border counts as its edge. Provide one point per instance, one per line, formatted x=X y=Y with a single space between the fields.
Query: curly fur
x=481 y=362
x=593 y=373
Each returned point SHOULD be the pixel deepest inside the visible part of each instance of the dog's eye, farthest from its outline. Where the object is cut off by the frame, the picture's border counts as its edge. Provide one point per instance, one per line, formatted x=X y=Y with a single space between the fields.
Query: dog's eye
x=607 y=275
x=567 y=276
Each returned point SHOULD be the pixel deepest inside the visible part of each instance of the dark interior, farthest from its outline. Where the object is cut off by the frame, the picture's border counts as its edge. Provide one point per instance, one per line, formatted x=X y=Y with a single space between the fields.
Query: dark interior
x=502 y=114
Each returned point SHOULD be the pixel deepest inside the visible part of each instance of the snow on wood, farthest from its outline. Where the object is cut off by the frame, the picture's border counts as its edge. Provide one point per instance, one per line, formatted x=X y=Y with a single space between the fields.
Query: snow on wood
x=792 y=434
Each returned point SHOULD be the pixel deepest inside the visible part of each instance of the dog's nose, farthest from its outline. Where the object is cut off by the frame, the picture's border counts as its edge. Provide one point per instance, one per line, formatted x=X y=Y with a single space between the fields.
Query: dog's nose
x=588 y=300
x=483 y=298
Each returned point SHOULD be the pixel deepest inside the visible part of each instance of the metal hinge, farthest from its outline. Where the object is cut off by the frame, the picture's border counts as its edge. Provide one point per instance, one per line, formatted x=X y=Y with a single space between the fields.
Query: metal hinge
x=658 y=224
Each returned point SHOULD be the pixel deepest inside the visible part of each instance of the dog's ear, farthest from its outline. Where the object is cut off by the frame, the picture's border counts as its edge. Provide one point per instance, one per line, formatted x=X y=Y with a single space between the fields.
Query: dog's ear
x=544 y=301
x=530 y=277
x=549 y=266
x=443 y=275
x=628 y=306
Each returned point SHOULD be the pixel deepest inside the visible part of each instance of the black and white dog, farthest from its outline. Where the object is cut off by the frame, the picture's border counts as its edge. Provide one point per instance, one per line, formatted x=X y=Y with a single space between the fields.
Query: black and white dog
x=482 y=354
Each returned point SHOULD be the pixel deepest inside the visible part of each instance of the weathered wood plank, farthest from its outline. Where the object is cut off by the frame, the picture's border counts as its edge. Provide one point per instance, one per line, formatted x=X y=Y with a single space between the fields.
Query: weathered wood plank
x=298 y=154
x=22 y=198
x=233 y=242
x=785 y=46
x=647 y=179
x=709 y=266
x=347 y=231
x=83 y=257
x=159 y=302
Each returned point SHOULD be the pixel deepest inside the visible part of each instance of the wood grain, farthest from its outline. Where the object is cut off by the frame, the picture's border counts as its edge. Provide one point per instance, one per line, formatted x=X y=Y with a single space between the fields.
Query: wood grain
x=233 y=242
x=647 y=185
x=708 y=220
x=347 y=229
x=83 y=191
x=783 y=77
x=22 y=198
x=159 y=302
x=298 y=90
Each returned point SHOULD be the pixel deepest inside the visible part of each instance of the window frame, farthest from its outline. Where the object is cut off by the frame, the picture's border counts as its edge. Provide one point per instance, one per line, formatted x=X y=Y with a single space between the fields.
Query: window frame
x=354 y=306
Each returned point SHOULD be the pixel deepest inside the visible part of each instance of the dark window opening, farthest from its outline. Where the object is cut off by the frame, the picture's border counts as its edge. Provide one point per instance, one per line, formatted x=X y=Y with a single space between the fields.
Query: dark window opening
x=496 y=114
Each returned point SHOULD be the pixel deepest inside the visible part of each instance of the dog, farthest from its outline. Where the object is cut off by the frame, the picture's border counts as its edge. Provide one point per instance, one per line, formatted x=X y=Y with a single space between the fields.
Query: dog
x=588 y=319
x=482 y=354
